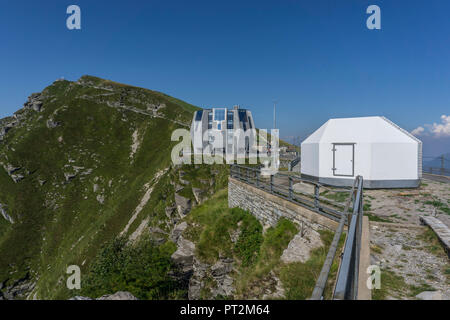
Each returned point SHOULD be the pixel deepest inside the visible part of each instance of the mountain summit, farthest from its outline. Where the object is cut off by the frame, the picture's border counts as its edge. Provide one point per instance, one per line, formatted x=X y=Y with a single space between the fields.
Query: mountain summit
x=81 y=163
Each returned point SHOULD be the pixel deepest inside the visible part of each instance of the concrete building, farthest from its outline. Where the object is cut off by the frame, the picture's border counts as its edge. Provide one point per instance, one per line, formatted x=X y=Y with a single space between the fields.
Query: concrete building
x=386 y=155
x=216 y=129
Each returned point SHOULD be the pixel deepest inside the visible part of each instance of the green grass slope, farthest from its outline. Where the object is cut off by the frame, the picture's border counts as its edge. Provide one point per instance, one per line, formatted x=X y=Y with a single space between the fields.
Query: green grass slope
x=85 y=159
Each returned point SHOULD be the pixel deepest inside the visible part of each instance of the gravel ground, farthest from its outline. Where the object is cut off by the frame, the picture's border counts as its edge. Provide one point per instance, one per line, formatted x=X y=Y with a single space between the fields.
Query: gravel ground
x=406 y=206
x=404 y=252
x=417 y=263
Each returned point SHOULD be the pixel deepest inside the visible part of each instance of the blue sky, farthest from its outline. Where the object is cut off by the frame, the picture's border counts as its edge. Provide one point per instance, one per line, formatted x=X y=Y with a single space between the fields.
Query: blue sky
x=317 y=58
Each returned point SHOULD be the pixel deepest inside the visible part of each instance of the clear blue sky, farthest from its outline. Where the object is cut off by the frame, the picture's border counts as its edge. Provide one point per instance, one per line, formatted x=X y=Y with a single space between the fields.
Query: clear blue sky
x=317 y=58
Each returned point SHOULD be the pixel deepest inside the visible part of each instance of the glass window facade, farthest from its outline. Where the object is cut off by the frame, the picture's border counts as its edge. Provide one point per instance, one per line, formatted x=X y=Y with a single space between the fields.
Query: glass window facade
x=230 y=119
x=219 y=114
x=198 y=115
x=210 y=120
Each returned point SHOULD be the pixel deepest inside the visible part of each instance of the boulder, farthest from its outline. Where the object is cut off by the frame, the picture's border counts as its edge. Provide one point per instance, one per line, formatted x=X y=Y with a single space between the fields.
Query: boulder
x=120 y=295
x=5 y=215
x=184 y=256
x=430 y=295
x=183 y=204
x=300 y=247
x=177 y=231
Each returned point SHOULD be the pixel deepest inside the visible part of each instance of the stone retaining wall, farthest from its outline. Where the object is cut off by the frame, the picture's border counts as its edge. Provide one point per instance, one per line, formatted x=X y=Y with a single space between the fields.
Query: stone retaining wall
x=268 y=208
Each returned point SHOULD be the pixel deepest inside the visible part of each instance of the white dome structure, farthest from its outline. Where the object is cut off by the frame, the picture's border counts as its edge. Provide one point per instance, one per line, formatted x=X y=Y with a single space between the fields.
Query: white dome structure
x=386 y=155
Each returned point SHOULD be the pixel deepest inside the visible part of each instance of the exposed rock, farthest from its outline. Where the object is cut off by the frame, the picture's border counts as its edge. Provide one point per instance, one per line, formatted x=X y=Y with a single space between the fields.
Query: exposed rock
x=430 y=295
x=221 y=268
x=18 y=290
x=183 y=204
x=158 y=235
x=10 y=169
x=274 y=287
x=196 y=282
x=169 y=211
x=177 y=231
x=300 y=247
x=34 y=102
x=184 y=256
x=80 y=298
x=181 y=174
x=69 y=176
x=17 y=177
x=52 y=124
x=101 y=198
x=198 y=194
x=5 y=215
x=120 y=295
x=219 y=273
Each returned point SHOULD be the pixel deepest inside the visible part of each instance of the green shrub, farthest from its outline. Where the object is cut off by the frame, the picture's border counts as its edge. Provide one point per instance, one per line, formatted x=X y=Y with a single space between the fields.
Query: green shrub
x=141 y=269
x=248 y=245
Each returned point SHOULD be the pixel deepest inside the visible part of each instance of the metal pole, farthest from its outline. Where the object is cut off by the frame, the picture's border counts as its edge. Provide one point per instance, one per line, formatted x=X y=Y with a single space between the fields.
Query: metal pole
x=274 y=114
x=316 y=196
x=290 y=188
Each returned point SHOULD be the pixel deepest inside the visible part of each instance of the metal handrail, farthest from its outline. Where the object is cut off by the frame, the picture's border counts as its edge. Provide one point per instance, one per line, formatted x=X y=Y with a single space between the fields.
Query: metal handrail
x=347 y=279
x=312 y=201
x=325 y=272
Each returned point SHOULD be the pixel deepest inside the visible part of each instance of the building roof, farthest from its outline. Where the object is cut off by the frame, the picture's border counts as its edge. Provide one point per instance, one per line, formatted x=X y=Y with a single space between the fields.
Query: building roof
x=364 y=129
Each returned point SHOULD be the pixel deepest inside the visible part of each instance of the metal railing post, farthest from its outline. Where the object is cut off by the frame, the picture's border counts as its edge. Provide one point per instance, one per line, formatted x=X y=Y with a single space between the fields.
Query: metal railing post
x=290 y=188
x=271 y=183
x=316 y=196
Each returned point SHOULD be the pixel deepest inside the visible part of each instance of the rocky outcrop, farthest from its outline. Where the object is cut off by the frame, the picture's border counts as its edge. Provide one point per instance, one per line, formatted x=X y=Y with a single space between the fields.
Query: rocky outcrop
x=430 y=295
x=12 y=171
x=34 y=102
x=19 y=289
x=177 y=231
x=52 y=123
x=199 y=195
x=300 y=247
x=183 y=204
x=215 y=280
x=5 y=214
x=183 y=257
x=119 y=295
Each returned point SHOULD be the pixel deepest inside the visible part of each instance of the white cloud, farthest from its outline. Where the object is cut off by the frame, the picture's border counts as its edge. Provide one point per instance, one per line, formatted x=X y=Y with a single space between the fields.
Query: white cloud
x=437 y=130
x=418 y=131
x=442 y=129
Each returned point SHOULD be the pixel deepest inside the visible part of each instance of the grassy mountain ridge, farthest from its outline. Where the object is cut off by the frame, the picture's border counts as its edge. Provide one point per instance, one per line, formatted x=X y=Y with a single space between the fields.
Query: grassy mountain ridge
x=79 y=161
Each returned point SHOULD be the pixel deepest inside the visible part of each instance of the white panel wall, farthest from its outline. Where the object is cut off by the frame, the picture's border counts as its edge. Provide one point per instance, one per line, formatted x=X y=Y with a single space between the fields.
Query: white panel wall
x=310 y=159
x=397 y=161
